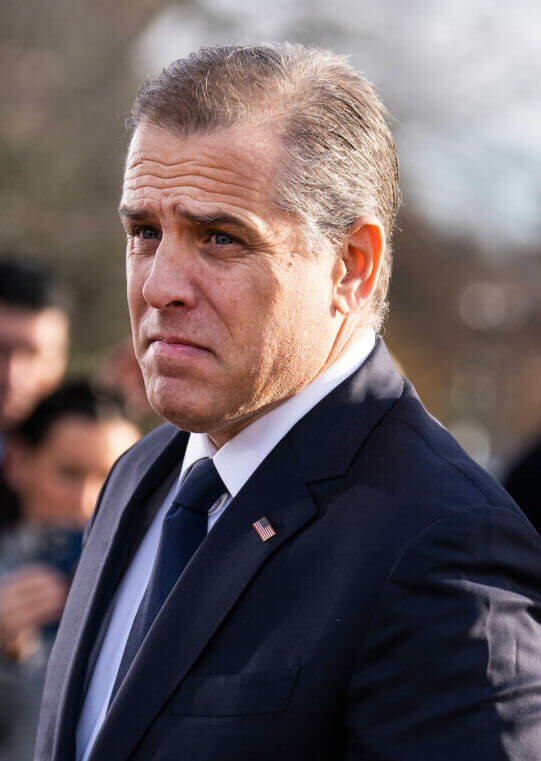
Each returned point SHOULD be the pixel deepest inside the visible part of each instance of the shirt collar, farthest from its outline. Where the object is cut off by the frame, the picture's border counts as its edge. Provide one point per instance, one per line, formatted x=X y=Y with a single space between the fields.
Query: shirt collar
x=240 y=457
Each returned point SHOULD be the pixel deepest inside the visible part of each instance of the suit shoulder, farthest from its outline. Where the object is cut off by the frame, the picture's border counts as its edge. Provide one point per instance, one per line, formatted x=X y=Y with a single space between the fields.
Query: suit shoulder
x=429 y=460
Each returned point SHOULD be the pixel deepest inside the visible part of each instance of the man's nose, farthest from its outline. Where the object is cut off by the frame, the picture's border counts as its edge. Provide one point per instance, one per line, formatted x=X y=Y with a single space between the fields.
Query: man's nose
x=170 y=280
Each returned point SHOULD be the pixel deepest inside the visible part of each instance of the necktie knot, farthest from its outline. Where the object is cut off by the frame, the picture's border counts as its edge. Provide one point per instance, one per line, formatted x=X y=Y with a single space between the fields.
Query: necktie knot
x=201 y=488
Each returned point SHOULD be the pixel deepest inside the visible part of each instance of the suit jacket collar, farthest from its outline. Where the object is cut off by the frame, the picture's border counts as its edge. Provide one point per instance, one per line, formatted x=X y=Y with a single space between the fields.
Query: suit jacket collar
x=327 y=439
x=321 y=445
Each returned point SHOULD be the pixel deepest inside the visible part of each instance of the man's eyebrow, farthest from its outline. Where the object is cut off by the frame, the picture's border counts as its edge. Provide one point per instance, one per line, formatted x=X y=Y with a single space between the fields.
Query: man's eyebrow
x=215 y=219
x=128 y=213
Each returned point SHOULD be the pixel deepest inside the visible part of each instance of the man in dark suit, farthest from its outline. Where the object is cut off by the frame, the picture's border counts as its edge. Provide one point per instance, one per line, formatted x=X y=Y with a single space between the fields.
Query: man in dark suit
x=316 y=571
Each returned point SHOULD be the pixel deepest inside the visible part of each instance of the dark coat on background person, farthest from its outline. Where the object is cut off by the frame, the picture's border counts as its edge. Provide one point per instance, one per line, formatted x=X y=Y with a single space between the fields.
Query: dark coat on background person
x=394 y=616
x=10 y=512
x=523 y=482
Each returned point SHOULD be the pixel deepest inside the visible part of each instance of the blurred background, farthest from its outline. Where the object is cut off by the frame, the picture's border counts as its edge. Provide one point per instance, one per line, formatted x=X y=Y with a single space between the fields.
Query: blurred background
x=461 y=82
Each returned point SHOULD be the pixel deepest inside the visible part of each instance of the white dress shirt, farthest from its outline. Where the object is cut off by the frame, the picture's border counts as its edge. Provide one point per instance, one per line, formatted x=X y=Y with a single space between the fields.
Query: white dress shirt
x=235 y=461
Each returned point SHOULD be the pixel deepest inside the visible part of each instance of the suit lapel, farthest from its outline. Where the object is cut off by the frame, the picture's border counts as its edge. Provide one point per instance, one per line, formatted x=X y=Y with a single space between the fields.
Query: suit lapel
x=98 y=574
x=225 y=563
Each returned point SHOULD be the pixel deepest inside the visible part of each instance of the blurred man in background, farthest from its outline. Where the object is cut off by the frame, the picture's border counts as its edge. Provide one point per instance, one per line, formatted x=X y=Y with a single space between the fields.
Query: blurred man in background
x=34 y=336
x=34 y=340
x=119 y=370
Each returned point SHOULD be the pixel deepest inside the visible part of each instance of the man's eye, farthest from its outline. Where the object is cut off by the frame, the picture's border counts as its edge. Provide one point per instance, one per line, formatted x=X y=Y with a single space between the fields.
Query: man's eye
x=143 y=232
x=148 y=233
x=223 y=239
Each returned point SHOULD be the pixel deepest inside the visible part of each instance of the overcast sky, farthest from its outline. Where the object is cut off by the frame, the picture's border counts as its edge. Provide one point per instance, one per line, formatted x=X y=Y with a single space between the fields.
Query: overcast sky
x=461 y=77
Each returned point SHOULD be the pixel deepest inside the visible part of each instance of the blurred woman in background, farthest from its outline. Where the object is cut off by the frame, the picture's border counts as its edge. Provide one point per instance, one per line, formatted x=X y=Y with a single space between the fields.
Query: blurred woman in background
x=56 y=462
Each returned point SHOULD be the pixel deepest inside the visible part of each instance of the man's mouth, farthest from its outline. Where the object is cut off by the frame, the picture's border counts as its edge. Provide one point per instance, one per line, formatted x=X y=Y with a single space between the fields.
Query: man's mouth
x=176 y=345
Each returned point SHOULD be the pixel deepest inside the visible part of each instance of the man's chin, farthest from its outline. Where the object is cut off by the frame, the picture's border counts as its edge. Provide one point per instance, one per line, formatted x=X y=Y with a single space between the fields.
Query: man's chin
x=187 y=415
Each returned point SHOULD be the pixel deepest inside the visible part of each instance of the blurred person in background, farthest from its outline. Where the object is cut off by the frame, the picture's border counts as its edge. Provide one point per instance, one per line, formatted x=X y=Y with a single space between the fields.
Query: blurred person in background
x=34 y=339
x=120 y=371
x=56 y=462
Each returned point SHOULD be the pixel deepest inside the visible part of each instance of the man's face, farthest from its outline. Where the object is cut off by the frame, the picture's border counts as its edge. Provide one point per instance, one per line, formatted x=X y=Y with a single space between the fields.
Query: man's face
x=230 y=313
x=33 y=350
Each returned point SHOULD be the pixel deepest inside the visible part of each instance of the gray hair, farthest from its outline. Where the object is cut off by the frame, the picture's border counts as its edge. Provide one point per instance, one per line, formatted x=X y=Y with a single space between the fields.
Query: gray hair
x=340 y=158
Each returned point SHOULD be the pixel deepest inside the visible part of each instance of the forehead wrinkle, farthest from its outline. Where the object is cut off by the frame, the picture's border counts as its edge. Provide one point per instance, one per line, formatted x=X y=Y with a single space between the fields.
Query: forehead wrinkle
x=201 y=154
x=219 y=175
x=205 y=183
x=196 y=186
x=177 y=168
x=193 y=192
x=209 y=160
x=146 y=203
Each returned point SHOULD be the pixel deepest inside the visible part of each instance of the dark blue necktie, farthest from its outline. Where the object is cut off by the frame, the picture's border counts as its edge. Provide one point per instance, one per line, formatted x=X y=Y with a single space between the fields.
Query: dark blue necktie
x=184 y=528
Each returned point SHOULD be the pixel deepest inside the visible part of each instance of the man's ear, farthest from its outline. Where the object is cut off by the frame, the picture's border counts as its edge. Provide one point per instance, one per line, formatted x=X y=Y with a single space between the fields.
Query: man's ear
x=360 y=264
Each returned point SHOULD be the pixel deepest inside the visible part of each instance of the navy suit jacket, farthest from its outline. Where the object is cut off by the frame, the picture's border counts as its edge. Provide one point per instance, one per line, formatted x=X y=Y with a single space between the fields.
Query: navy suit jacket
x=394 y=616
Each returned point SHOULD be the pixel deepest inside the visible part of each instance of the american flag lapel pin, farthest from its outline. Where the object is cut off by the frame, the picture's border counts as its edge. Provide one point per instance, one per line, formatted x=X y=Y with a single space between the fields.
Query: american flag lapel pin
x=264 y=529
